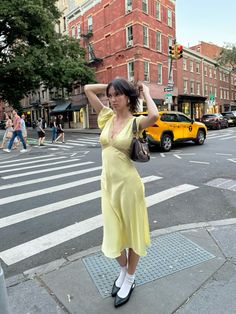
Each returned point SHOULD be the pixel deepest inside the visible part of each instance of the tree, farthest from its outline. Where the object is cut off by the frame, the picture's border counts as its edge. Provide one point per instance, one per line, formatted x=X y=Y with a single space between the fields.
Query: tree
x=32 y=53
x=227 y=56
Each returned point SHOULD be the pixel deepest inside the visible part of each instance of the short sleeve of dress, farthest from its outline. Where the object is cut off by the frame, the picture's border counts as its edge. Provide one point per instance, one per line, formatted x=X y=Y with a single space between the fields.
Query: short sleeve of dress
x=104 y=115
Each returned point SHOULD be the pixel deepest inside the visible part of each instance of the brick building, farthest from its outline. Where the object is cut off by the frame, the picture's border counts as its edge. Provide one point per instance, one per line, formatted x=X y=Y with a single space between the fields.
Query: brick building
x=203 y=85
x=126 y=38
x=207 y=49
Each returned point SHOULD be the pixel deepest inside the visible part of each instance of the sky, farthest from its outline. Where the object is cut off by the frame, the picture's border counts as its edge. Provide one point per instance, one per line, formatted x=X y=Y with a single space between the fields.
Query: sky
x=205 y=20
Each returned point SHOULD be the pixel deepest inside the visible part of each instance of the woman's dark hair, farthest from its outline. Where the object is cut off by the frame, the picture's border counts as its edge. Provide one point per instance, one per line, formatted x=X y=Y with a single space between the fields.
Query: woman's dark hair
x=123 y=87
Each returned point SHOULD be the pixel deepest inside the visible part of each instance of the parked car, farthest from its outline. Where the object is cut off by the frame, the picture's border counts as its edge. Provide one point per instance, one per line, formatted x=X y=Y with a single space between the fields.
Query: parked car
x=2 y=124
x=174 y=127
x=230 y=116
x=214 y=121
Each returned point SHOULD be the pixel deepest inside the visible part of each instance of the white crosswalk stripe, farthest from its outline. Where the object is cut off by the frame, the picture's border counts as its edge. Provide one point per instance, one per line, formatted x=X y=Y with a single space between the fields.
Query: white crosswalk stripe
x=19 y=252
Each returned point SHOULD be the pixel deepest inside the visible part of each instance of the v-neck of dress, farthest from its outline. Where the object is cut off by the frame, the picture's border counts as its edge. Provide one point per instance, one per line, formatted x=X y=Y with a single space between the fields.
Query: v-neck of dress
x=123 y=127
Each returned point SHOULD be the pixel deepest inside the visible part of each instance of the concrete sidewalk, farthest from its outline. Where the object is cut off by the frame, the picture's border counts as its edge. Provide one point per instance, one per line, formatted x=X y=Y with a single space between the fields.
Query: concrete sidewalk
x=197 y=275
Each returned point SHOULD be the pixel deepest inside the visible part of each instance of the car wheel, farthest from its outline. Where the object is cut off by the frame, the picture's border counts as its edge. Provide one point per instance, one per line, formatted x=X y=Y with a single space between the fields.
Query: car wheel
x=200 y=137
x=218 y=126
x=166 y=142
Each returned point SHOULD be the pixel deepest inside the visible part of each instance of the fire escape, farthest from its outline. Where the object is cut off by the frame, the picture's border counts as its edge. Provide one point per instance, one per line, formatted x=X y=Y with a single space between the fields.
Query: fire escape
x=93 y=60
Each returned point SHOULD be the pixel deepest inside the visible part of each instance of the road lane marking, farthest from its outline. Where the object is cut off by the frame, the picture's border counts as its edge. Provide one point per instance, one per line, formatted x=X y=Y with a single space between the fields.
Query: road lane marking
x=45 y=170
x=39 y=166
x=44 y=179
x=40 y=244
x=23 y=159
x=33 y=162
x=199 y=162
x=177 y=156
x=46 y=209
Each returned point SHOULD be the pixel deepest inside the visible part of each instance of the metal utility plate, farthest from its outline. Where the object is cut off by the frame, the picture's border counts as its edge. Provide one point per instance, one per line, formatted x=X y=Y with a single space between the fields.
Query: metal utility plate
x=168 y=254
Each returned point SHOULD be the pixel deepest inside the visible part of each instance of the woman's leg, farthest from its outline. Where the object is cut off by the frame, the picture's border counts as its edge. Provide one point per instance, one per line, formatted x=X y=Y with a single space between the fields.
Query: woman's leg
x=122 y=259
x=128 y=282
x=133 y=260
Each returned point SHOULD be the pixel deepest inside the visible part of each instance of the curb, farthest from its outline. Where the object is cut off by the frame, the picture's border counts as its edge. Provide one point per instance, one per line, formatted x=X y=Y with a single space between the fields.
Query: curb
x=62 y=262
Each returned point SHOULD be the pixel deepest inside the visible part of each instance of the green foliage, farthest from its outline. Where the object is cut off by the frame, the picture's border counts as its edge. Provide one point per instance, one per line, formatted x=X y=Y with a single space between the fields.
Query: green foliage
x=227 y=57
x=32 y=53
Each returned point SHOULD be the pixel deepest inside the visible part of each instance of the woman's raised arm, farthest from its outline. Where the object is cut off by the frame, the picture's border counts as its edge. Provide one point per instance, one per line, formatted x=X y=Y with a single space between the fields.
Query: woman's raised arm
x=91 y=91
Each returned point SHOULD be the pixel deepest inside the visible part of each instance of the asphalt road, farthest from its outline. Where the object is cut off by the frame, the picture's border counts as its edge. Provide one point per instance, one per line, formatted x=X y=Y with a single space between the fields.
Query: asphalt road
x=50 y=200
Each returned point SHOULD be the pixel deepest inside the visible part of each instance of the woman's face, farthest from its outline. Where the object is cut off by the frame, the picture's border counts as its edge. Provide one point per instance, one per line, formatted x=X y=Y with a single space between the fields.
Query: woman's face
x=117 y=101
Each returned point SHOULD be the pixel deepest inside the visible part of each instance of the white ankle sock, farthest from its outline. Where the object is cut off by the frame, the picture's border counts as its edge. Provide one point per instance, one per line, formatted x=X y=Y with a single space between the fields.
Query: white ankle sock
x=125 y=288
x=121 y=277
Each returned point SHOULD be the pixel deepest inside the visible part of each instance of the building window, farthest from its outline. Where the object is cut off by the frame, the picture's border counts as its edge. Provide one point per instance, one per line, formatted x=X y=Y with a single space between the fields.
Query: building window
x=170 y=41
x=210 y=90
x=220 y=76
x=206 y=90
x=198 y=89
x=185 y=64
x=210 y=72
x=215 y=92
x=191 y=87
x=146 y=71
x=78 y=31
x=145 y=6
x=169 y=17
x=221 y=93
x=197 y=67
x=128 y=6
x=215 y=74
x=73 y=32
x=159 y=73
x=191 y=66
x=129 y=36
x=145 y=36
x=90 y=23
x=64 y=23
x=158 y=39
x=205 y=71
x=158 y=10
x=185 y=86
x=131 y=70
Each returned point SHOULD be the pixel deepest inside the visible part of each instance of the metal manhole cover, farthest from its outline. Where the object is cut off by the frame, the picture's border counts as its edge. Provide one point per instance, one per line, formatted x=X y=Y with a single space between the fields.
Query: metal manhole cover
x=168 y=254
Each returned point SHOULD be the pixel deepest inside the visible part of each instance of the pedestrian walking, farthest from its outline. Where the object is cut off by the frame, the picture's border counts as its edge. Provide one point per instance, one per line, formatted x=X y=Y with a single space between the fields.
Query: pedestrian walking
x=23 y=127
x=126 y=228
x=60 y=130
x=41 y=132
x=8 y=131
x=17 y=133
x=53 y=125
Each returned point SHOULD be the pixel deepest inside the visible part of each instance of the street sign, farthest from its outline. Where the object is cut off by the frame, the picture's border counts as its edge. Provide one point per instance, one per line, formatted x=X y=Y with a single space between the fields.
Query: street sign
x=168 y=89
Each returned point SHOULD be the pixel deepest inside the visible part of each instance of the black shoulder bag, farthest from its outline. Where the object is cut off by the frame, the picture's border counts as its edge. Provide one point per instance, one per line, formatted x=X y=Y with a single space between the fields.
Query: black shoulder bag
x=139 y=148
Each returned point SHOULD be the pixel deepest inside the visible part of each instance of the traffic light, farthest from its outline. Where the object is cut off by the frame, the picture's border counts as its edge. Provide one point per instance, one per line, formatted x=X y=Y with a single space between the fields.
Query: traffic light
x=180 y=52
x=172 y=51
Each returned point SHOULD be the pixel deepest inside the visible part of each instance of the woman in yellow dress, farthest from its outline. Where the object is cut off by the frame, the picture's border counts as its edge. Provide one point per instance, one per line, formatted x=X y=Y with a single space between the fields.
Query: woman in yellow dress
x=125 y=220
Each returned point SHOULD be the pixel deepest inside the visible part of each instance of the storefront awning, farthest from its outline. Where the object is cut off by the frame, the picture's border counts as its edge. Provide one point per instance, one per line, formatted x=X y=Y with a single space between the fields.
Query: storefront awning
x=62 y=107
x=76 y=107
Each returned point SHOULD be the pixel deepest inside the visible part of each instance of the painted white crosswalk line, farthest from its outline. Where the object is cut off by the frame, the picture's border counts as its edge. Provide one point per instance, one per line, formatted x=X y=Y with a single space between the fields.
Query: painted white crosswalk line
x=25 y=159
x=33 y=162
x=53 y=189
x=57 y=145
x=218 y=136
x=39 y=166
x=46 y=209
x=44 y=179
x=38 y=245
x=83 y=142
x=24 y=174
x=229 y=137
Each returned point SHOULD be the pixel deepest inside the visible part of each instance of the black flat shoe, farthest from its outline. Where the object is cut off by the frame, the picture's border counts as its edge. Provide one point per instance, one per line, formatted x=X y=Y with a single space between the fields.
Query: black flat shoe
x=114 y=289
x=120 y=301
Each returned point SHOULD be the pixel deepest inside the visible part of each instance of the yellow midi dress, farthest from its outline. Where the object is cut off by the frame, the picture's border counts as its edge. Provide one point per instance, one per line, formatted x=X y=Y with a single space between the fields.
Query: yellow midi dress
x=125 y=218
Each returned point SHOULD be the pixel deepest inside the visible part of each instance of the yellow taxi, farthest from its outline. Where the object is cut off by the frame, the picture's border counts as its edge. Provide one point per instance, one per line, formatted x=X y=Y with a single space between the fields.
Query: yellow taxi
x=174 y=127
